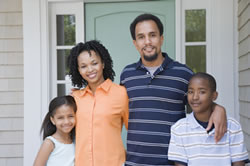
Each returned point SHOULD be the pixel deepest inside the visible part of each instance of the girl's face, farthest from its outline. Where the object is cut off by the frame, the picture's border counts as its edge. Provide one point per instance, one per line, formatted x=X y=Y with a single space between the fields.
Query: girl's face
x=64 y=119
x=91 y=68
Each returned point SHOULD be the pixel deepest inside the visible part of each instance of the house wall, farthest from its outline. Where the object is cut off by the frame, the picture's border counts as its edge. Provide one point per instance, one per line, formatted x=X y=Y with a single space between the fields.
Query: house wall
x=11 y=76
x=244 y=67
x=11 y=83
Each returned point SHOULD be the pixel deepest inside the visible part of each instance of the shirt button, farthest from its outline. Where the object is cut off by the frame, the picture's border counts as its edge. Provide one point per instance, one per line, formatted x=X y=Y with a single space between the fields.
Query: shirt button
x=147 y=73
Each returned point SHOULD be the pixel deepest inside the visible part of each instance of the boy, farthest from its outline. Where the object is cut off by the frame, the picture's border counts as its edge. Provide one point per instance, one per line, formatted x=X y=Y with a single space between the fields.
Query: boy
x=190 y=144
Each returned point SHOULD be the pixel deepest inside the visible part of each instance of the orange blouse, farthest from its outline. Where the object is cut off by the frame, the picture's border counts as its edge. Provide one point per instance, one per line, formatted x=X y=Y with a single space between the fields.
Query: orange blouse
x=100 y=118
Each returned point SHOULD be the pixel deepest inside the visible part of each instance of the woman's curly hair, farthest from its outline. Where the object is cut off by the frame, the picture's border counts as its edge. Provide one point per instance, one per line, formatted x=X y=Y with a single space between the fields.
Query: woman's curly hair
x=100 y=50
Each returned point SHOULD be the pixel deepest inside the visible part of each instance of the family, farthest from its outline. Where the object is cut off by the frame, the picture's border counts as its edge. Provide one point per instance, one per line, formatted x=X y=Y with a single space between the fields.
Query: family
x=84 y=129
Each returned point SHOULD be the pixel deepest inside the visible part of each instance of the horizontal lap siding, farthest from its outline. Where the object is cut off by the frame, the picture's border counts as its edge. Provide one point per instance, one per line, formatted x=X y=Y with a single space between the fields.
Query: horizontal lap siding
x=11 y=83
x=244 y=67
x=11 y=161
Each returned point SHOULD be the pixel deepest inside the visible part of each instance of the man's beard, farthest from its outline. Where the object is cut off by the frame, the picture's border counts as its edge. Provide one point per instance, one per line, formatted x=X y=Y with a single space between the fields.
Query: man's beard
x=150 y=58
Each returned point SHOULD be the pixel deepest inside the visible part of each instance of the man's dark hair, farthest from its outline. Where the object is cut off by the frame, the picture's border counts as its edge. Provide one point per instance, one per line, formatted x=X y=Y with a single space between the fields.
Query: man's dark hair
x=145 y=17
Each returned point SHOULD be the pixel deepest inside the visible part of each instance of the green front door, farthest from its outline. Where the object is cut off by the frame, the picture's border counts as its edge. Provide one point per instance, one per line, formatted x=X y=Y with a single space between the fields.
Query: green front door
x=109 y=23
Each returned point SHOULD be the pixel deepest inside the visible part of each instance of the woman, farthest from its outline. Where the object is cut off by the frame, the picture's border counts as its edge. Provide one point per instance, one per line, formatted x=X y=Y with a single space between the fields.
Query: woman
x=102 y=106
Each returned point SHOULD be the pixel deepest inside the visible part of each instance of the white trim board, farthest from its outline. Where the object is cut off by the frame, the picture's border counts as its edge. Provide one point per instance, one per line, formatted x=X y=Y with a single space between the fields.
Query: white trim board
x=32 y=77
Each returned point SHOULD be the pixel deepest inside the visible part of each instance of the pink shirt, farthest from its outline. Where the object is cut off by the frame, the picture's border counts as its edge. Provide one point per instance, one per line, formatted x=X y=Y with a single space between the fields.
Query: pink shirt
x=100 y=118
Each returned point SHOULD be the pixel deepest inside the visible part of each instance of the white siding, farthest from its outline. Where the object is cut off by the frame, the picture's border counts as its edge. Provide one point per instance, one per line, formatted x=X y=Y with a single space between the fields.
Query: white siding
x=15 y=111
x=11 y=32
x=244 y=67
x=11 y=83
x=11 y=137
x=10 y=6
x=11 y=45
x=11 y=18
x=15 y=84
x=11 y=124
x=11 y=58
x=11 y=161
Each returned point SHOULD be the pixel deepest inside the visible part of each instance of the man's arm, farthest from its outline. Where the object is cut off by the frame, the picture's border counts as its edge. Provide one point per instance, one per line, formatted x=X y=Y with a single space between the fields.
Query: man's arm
x=219 y=119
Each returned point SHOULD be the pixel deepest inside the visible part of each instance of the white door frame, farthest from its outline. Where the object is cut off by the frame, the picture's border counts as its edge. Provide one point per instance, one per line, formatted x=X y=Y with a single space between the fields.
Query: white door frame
x=35 y=43
x=36 y=60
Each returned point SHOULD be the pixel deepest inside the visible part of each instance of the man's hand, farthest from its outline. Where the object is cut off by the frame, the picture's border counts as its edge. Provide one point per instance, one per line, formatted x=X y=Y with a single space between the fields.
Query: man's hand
x=219 y=119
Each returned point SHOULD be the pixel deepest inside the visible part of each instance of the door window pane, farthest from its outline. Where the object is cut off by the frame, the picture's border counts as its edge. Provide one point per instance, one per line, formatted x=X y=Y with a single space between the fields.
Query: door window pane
x=62 y=67
x=63 y=89
x=196 y=58
x=195 y=21
x=65 y=28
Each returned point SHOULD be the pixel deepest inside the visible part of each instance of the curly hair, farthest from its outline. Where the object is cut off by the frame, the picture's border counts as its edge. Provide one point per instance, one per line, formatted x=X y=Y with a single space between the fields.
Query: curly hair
x=100 y=50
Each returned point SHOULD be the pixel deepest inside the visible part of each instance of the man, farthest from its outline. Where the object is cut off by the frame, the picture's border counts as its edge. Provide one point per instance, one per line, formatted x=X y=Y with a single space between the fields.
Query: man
x=156 y=86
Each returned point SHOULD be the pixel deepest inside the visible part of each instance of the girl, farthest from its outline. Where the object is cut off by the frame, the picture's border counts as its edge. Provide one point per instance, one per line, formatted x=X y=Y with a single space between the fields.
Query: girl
x=102 y=106
x=58 y=134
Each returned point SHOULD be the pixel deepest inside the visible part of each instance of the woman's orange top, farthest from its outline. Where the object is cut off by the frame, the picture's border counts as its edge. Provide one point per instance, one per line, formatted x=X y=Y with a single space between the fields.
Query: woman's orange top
x=100 y=119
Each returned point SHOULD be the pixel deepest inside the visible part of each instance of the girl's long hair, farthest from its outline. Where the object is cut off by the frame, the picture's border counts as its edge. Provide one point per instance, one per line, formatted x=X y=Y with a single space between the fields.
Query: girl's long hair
x=48 y=128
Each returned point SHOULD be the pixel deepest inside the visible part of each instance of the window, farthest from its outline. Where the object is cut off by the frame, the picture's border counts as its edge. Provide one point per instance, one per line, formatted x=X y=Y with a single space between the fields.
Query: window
x=195 y=39
x=66 y=30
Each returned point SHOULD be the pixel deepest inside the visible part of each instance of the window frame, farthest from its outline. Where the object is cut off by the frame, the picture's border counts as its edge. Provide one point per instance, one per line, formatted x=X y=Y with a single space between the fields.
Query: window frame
x=197 y=5
x=63 y=8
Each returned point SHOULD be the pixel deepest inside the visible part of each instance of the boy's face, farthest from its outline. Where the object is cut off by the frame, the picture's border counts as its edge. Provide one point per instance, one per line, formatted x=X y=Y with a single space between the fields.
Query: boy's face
x=200 y=95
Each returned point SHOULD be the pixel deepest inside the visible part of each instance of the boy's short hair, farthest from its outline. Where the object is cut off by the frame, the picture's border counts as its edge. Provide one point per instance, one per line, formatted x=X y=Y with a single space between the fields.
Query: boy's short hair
x=208 y=77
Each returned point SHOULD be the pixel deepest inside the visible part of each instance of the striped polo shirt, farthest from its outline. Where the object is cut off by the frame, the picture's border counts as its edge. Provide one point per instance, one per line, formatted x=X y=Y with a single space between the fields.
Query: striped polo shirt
x=156 y=102
x=190 y=143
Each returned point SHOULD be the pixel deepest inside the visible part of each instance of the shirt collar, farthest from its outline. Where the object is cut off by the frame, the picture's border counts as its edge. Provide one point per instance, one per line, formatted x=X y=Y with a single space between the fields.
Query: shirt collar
x=194 y=124
x=193 y=121
x=104 y=86
x=167 y=63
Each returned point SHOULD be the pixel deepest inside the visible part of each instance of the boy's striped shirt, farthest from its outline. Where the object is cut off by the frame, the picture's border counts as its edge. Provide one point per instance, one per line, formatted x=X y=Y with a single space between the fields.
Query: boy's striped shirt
x=190 y=143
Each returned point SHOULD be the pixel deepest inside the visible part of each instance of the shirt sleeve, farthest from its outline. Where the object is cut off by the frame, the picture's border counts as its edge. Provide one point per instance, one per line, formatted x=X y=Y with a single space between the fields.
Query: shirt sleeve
x=176 y=150
x=237 y=148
